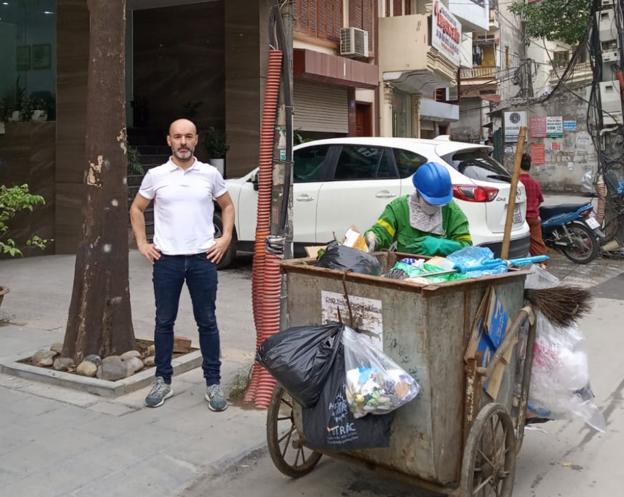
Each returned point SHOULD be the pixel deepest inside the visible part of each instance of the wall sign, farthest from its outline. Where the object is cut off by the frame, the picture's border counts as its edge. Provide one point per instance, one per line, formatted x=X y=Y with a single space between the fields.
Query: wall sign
x=554 y=126
x=445 y=33
x=513 y=122
x=537 y=127
x=569 y=125
x=538 y=154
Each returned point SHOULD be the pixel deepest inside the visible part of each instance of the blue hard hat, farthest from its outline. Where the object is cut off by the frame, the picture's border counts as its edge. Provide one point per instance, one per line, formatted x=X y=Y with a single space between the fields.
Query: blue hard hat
x=433 y=182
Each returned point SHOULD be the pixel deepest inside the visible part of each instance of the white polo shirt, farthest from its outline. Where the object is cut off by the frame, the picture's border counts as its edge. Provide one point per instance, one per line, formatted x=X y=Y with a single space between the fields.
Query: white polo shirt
x=183 y=206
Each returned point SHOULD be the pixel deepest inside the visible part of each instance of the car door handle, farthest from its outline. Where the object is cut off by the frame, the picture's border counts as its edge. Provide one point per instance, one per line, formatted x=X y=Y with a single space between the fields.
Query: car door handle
x=304 y=198
x=385 y=194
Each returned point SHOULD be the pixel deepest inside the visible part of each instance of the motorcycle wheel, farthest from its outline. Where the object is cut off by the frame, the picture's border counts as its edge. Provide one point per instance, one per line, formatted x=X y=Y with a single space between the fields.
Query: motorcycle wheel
x=584 y=246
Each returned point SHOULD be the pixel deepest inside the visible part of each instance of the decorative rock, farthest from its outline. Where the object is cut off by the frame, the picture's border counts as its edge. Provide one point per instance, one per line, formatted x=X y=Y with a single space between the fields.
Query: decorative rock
x=57 y=347
x=44 y=357
x=112 y=368
x=63 y=363
x=131 y=353
x=149 y=361
x=87 y=368
x=133 y=365
x=151 y=350
x=181 y=345
x=94 y=358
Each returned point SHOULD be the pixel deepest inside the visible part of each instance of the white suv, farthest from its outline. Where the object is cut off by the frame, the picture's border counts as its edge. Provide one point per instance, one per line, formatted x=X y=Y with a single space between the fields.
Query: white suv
x=348 y=181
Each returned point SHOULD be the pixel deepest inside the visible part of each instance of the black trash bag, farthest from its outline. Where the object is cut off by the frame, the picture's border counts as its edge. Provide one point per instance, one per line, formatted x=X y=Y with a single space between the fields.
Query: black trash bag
x=344 y=258
x=329 y=425
x=300 y=359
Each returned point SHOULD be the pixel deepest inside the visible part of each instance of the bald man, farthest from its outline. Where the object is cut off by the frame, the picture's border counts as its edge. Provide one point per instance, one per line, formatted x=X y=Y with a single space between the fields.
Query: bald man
x=184 y=250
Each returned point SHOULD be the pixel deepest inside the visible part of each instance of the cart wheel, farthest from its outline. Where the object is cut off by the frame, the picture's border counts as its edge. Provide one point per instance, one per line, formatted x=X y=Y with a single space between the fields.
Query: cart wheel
x=489 y=460
x=286 y=447
x=519 y=431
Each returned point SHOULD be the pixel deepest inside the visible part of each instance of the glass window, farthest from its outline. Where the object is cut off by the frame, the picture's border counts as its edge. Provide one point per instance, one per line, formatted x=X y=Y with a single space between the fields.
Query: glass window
x=407 y=162
x=27 y=60
x=477 y=164
x=386 y=169
x=362 y=162
x=310 y=164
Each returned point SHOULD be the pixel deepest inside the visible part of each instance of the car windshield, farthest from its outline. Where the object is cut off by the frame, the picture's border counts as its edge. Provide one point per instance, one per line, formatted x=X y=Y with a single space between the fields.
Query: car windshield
x=477 y=164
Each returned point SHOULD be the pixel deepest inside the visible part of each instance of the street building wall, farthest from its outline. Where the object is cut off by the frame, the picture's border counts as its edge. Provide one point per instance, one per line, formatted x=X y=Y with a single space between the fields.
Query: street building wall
x=566 y=158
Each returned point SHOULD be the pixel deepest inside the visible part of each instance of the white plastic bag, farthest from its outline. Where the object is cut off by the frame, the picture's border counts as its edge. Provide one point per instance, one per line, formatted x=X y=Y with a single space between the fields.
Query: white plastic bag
x=540 y=279
x=375 y=383
x=560 y=376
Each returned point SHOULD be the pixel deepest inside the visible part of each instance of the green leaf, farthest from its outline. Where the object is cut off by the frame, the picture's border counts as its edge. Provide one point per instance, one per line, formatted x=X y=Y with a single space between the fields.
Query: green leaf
x=562 y=20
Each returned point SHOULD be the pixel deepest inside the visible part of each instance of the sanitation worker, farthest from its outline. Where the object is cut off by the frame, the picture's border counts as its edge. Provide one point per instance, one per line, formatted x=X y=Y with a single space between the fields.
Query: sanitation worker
x=427 y=222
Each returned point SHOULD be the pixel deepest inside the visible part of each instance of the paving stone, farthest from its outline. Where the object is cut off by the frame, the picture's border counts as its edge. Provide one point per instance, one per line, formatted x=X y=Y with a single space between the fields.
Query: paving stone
x=112 y=408
x=157 y=476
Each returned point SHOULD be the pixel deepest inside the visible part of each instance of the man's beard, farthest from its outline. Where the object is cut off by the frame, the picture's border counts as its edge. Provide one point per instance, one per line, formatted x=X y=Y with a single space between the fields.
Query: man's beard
x=183 y=154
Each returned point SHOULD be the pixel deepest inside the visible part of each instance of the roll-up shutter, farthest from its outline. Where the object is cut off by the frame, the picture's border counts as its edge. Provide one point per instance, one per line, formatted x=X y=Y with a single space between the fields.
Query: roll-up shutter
x=321 y=108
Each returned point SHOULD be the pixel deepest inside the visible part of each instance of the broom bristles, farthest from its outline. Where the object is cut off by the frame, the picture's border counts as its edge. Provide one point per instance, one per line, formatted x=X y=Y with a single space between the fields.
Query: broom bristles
x=562 y=305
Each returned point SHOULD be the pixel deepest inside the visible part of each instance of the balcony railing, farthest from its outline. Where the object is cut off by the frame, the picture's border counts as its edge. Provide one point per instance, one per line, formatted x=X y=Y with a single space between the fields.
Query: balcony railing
x=582 y=73
x=480 y=72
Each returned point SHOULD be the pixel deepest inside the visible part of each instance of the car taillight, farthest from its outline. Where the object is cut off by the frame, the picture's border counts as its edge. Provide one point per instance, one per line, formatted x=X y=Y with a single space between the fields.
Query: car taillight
x=472 y=193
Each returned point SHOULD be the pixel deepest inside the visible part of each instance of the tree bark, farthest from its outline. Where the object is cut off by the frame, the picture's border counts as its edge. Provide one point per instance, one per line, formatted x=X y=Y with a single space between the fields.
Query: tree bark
x=100 y=319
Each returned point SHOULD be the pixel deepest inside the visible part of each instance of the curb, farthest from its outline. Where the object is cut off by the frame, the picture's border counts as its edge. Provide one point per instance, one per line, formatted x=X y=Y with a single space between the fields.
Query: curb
x=103 y=388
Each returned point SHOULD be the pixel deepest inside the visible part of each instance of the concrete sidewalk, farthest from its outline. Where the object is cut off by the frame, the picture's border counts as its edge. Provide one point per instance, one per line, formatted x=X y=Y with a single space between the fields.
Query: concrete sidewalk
x=59 y=442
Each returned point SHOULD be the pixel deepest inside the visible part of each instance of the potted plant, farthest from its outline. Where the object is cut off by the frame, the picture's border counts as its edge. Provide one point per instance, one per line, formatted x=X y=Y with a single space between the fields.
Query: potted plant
x=13 y=200
x=216 y=147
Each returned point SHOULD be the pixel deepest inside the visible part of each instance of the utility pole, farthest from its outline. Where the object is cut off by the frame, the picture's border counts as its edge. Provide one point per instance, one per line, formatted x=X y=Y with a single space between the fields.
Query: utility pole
x=281 y=205
x=606 y=42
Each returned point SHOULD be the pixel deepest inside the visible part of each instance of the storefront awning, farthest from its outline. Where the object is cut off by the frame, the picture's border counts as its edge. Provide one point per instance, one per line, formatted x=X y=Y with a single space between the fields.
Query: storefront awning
x=334 y=70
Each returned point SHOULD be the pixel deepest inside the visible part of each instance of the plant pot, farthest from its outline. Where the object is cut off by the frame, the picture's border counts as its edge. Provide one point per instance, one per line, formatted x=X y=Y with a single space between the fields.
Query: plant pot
x=3 y=291
x=218 y=163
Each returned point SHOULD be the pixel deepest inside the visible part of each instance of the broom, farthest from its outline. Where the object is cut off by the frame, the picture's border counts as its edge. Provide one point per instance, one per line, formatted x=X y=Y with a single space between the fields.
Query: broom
x=561 y=305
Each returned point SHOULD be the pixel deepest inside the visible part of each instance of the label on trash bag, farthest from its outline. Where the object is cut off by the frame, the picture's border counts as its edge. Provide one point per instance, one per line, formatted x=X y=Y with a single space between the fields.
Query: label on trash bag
x=330 y=425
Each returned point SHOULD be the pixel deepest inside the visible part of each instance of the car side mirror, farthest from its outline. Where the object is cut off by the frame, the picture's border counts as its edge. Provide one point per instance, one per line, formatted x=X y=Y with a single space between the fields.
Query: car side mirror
x=254 y=181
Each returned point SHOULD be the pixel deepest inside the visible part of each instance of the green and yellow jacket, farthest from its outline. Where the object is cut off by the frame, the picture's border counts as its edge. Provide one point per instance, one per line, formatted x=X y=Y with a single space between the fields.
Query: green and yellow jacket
x=394 y=225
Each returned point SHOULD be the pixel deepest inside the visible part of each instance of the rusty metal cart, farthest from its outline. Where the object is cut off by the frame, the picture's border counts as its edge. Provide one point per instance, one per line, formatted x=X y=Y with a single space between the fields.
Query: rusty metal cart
x=453 y=438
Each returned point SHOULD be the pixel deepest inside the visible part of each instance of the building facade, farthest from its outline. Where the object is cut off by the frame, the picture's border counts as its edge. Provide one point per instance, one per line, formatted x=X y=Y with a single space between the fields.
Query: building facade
x=204 y=60
x=420 y=53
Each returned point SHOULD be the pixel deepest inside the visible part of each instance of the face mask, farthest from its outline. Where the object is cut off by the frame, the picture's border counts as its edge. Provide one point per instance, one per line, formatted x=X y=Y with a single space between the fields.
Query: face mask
x=423 y=216
x=427 y=208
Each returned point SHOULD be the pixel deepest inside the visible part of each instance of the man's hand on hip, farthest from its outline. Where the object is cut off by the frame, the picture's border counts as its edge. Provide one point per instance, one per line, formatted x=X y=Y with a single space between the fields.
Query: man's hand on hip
x=218 y=250
x=149 y=251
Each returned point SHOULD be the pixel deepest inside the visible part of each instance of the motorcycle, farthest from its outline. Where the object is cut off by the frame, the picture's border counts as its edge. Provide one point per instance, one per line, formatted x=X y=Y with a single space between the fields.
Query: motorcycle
x=572 y=229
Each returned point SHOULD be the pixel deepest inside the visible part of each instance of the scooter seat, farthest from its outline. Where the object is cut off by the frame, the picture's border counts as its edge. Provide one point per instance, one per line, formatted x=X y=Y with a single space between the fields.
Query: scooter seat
x=546 y=212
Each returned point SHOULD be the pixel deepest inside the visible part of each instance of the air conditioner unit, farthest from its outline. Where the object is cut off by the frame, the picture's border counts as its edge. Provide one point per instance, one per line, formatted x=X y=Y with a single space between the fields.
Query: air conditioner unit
x=452 y=95
x=353 y=42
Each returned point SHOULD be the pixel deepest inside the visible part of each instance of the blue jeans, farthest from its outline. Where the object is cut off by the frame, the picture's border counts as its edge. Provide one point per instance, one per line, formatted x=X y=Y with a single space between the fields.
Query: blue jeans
x=170 y=272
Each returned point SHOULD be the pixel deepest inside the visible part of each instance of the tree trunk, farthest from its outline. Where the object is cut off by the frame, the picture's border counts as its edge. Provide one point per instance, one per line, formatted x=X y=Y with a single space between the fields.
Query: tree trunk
x=100 y=320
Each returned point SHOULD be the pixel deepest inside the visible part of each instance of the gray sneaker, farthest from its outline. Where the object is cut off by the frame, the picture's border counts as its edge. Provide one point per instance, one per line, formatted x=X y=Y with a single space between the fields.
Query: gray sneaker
x=216 y=398
x=159 y=393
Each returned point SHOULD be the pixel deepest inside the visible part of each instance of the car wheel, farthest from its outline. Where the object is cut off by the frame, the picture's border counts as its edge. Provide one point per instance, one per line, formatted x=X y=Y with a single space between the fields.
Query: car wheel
x=230 y=255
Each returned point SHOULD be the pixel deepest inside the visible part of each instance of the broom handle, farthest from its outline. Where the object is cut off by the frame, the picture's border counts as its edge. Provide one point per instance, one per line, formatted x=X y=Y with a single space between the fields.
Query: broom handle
x=512 y=192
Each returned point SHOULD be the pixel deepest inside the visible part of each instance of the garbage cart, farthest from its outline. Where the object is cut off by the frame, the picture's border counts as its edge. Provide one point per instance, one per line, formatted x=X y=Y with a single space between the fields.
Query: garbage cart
x=453 y=438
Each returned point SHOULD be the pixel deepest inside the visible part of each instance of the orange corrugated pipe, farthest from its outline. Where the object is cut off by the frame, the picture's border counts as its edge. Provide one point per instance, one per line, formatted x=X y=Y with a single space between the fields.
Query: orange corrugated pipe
x=266 y=280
